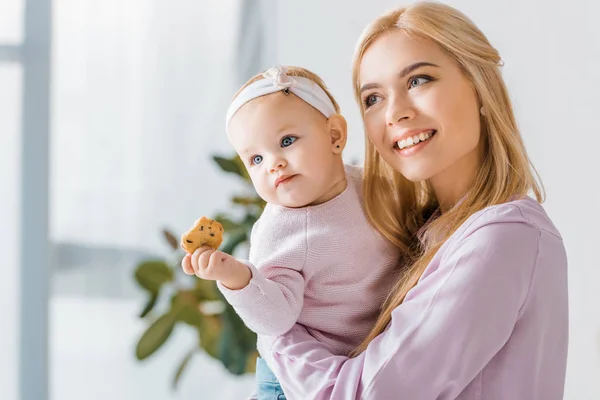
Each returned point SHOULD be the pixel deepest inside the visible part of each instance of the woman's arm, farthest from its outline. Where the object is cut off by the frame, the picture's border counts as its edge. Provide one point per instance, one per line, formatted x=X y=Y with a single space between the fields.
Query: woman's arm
x=450 y=325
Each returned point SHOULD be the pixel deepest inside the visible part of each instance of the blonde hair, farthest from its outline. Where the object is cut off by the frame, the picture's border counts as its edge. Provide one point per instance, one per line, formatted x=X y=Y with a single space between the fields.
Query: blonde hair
x=301 y=73
x=399 y=208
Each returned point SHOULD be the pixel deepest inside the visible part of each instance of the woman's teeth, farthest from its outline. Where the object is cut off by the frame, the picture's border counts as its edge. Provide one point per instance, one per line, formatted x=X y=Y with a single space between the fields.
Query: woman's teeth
x=411 y=141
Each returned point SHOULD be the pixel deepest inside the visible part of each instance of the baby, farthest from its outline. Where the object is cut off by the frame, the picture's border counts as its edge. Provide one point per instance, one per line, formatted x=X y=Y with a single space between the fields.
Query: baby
x=314 y=257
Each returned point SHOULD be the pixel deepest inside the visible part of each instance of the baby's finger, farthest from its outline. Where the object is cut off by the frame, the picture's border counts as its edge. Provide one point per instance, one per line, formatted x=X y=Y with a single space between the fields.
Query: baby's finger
x=200 y=258
x=204 y=257
x=194 y=261
x=186 y=264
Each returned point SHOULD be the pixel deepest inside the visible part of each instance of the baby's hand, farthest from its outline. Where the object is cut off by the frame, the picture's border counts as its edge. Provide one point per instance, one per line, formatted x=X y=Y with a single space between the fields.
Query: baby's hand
x=210 y=264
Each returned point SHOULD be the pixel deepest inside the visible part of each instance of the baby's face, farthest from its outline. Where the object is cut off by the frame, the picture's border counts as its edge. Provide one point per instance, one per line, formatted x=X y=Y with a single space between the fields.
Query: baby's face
x=287 y=148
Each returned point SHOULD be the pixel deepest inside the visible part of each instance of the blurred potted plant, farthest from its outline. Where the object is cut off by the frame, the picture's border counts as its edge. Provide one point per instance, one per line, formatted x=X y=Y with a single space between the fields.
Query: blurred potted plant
x=198 y=303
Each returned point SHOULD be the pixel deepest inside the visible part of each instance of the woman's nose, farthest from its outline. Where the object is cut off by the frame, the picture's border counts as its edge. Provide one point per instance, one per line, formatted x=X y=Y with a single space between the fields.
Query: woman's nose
x=399 y=109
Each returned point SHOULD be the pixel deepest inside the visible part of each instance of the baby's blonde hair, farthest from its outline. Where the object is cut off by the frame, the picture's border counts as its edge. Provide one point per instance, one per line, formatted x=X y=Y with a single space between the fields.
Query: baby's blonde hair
x=398 y=207
x=301 y=73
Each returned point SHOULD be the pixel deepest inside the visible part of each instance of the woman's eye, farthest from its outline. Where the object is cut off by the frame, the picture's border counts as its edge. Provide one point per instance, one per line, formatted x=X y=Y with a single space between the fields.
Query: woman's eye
x=418 y=81
x=256 y=160
x=370 y=100
x=288 y=140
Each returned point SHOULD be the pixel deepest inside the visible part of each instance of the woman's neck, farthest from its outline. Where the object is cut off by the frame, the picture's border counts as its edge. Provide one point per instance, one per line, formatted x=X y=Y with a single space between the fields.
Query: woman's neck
x=452 y=184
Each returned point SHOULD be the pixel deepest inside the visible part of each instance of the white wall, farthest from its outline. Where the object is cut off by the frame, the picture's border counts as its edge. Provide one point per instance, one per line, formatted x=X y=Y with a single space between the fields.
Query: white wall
x=552 y=68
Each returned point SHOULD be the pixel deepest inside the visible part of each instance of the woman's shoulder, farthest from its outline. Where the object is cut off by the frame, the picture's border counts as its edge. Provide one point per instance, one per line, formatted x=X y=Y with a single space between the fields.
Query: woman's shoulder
x=517 y=233
x=526 y=213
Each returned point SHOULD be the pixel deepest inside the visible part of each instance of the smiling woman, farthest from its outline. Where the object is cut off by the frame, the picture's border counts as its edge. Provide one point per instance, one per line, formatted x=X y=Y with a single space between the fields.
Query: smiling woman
x=426 y=118
x=481 y=303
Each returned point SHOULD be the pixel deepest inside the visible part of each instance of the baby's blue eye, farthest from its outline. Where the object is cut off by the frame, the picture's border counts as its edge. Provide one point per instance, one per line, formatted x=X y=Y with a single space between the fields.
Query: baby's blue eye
x=257 y=160
x=287 y=141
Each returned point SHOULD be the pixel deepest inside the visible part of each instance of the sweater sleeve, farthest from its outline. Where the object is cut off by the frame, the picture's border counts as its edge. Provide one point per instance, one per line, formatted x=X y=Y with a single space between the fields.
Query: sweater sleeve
x=450 y=325
x=271 y=303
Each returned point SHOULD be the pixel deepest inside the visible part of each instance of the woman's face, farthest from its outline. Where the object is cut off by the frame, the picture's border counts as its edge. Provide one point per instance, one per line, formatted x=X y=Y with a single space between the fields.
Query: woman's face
x=420 y=110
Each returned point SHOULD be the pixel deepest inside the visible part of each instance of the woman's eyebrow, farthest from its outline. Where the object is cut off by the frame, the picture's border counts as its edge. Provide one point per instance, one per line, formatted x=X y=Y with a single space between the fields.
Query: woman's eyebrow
x=407 y=70
x=412 y=67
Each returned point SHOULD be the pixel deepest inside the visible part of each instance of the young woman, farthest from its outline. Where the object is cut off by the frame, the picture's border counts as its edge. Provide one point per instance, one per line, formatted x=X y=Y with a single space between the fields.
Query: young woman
x=481 y=309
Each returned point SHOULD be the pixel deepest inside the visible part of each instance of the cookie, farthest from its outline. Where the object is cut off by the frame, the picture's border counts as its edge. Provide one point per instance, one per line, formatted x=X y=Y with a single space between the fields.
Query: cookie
x=205 y=232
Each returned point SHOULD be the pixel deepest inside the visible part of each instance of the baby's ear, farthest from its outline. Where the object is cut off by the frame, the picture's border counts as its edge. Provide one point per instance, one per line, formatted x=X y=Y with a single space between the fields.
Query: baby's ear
x=338 y=132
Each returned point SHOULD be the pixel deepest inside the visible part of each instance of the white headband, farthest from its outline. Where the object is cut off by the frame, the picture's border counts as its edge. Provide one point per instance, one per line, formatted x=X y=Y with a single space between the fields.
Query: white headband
x=276 y=80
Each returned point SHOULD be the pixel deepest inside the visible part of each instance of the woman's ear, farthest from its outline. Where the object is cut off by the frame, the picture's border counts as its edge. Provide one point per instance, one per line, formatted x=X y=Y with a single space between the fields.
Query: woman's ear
x=338 y=132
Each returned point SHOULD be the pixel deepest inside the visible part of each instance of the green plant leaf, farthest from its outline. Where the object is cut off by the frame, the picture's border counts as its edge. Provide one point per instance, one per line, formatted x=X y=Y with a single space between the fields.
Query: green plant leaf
x=209 y=334
x=249 y=220
x=233 y=165
x=181 y=367
x=228 y=165
x=251 y=362
x=206 y=291
x=187 y=308
x=152 y=274
x=155 y=336
x=191 y=315
x=238 y=161
x=237 y=342
x=248 y=201
x=149 y=305
x=171 y=239
x=233 y=240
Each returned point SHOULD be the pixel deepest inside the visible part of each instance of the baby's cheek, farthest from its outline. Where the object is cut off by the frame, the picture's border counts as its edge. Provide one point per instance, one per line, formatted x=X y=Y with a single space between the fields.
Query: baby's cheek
x=263 y=189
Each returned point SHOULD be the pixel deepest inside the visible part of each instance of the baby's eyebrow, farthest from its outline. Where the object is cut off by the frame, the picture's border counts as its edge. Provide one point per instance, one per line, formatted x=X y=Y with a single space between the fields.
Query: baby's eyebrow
x=285 y=128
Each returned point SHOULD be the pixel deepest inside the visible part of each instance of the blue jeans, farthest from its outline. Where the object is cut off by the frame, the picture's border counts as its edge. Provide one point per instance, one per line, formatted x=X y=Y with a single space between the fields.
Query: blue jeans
x=267 y=385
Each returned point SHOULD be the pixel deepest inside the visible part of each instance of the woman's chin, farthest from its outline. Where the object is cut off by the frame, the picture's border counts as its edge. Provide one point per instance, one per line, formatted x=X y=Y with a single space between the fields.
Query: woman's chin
x=415 y=175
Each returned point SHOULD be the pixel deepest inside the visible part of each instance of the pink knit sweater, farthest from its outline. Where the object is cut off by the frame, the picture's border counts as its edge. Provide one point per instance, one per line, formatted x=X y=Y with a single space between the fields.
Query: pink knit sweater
x=322 y=266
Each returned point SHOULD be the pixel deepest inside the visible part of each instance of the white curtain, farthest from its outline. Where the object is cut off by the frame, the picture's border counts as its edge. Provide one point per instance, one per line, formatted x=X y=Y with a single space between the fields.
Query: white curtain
x=139 y=93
